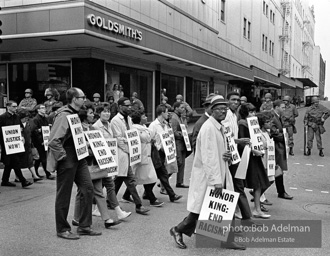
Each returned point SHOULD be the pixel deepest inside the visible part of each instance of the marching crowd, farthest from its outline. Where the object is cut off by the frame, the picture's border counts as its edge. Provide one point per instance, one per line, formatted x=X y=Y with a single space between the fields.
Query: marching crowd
x=211 y=165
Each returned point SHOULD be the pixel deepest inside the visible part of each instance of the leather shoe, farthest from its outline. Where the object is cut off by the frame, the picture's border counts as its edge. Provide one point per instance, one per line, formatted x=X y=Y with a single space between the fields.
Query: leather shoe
x=75 y=223
x=110 y=224
x=37 y=179
x=321 y=153
x=291 y=152
x=178 y=238
x=88 y=232
x=8 y=184
x=233 y=245
x=142 y=210
x=26 y=184
x=175 y=198
x=68 y=235
x=182 y=185
x=308 y=153
x=285 y=196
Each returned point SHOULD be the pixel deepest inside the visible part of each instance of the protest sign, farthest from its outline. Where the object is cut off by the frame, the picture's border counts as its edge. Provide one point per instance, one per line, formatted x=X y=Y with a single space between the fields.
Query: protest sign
x=235 y=158
x=270 y=154
x=45 y=136
x=112 y=144
x=216 y=214
x=134 y=146
x=169 y=147
x=100 y=149
x=185 y=136
x=13 y=140
x=171 y=133
x=286 y=139
x=78 y=136
x=255 y=134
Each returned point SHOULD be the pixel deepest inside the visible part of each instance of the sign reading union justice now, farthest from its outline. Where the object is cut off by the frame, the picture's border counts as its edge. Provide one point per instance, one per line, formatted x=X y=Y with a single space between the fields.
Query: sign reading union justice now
x=115 y=27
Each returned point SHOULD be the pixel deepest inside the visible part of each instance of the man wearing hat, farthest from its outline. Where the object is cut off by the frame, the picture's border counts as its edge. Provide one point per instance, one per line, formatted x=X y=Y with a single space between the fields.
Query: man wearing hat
x=187 y=112
x=268 y=104
x=28 y=102
x=210 y=168
x=96 y=100
x=202 y=119
x=289 y=116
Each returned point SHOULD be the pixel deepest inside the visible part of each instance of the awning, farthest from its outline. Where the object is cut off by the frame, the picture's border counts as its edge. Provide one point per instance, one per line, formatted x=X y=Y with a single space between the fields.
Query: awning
x=307 y=82
x=264 y=78
x=286 y=82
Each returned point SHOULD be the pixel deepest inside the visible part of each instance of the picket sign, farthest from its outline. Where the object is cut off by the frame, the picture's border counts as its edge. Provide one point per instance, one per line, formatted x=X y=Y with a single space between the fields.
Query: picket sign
x=134 y=146
x=113 y=146
x=255 y=134
x=232 y=146
x=185 y=136
x=45 y=136
x=169 y=146
x=13 y=139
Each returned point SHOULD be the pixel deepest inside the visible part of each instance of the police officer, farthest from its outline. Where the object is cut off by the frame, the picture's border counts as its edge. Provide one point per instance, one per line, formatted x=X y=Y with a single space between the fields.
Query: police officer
x=96 y=100
x=289 y=115
x=314 y=119
x=268 y=104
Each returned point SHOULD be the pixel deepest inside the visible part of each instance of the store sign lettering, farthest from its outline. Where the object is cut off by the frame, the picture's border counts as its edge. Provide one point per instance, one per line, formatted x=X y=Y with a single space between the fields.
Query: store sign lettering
x=114 y=27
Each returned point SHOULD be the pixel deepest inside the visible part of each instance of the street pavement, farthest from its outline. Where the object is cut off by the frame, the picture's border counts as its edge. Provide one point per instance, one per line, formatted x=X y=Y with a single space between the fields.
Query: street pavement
x=27 y=222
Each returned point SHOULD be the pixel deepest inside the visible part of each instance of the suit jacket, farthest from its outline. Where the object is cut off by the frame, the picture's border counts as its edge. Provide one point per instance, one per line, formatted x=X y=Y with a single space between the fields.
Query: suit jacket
x=179 y=140
x=276 y=132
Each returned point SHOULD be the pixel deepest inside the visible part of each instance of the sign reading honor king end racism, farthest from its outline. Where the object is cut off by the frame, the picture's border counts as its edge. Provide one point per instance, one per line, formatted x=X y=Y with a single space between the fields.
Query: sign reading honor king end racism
x=255 y=134
x=134 y=146
x=217 y=213
x=185 y=136
x=100 y=149
x=112 y=144
x=12 y=138
x=78 y=136
x=45 y=136
x=235 y=158
x=169 y=146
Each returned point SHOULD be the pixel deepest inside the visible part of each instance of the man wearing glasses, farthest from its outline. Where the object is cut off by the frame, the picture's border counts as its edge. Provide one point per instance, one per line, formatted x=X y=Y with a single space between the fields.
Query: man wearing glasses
x=28 y=102
x=62 y=157
x=11 y=161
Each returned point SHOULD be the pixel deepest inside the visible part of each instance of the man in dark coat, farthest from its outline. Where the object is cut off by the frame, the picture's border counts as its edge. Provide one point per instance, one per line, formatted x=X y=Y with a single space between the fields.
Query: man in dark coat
x=11 y=161
x=276 y=132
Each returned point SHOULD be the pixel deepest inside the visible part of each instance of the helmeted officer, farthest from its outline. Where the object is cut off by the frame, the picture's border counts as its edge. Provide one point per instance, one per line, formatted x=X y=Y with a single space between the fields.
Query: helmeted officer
x=314 y=119
x=96 y=100
x=268 y=104
x=289 y=115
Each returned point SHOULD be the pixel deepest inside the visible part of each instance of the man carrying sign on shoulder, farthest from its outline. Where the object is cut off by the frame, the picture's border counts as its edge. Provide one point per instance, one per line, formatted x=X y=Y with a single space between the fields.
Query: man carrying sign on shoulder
x=210 y=168
x=63 y=158
x=11 y=161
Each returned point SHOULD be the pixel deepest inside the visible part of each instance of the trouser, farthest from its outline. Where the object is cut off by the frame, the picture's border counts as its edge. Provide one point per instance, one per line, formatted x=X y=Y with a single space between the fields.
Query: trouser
x=68 y=171
x=99 y=198
x=181 y=159
x=6 y=174
x=243 y=203
x=310 y=138
x=148 y=191
x=109 y=184
x=42 y=159
x=289 y=130
x=279 y=182
x=130 y=184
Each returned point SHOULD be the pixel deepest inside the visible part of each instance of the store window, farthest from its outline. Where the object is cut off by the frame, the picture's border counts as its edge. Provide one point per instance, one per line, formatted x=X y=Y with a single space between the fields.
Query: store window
x=197 y=94
x=38 y=77
x=3 y=86
x=173 y=86
x=130 y=80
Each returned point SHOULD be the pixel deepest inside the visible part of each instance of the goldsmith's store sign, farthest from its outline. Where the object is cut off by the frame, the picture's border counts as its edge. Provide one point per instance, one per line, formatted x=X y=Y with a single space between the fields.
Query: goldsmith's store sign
x=115 y=27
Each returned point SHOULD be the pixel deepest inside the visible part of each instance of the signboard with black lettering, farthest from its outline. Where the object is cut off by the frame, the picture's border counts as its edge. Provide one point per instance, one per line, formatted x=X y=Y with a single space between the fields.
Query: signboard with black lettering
x=171 y=133
x=216 y=213
x=134 y=146
x=78 y=136
x=185 y=136
x=100 y=149
x=235 y=158
x=112 y=144
x=270 y=155
x=13 y=139
x=45 y=136
x=255 y=134
x=169 y=147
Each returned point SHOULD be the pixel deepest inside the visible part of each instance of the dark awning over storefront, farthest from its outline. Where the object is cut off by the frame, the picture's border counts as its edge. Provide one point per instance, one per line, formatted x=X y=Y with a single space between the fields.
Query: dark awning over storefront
x=264 y=78
x=286 y=82
x=307 y=82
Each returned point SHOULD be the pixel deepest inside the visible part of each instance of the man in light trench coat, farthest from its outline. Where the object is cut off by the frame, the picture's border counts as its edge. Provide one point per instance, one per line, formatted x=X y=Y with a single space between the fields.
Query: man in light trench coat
x=210 y=168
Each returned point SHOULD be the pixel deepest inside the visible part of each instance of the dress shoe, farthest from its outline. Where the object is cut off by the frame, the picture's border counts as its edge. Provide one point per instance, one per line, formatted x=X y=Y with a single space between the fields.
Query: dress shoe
x=142 y=210
x=266 y=202
x=291 y=152
x=181 y=185
x=321 y=153
x=123 y=215
x=308 y=153
x=51 y=177
x=87 y=232
x=75 y=223
x=178 y=238
x=285 y=196
x=26 y=184
x=156 y=203
x=68 y=235
x=233 y=245
x=261 y=215
x=175 y=198
x=110 y=224
x=37 y=179
x=263 y=208
x=8 y=184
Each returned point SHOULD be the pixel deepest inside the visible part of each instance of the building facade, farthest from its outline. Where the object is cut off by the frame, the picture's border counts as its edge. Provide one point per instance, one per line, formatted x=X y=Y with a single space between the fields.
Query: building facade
x=145 y=46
